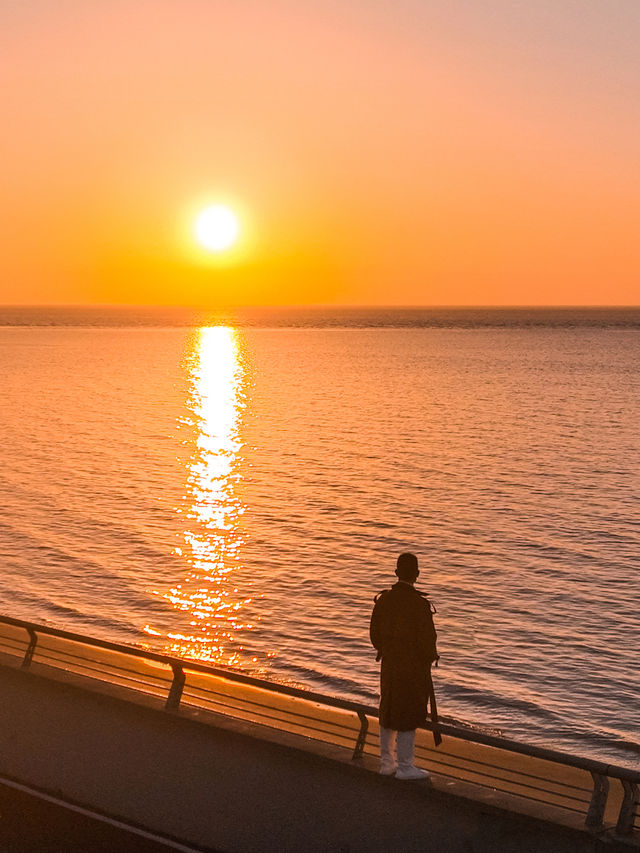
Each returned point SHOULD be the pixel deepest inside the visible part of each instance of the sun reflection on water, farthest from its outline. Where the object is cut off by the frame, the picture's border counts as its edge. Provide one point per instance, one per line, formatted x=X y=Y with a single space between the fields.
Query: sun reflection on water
x=212 y=535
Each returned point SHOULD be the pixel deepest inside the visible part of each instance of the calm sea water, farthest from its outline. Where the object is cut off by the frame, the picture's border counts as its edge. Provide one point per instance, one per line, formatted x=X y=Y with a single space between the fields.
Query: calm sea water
x=236 y=486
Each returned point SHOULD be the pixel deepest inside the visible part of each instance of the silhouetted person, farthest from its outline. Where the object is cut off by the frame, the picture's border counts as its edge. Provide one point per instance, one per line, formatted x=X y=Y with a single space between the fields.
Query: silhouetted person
x=402 y=631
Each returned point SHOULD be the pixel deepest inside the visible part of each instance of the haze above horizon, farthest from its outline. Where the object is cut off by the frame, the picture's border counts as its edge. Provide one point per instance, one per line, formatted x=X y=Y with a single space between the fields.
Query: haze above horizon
x=438 y=154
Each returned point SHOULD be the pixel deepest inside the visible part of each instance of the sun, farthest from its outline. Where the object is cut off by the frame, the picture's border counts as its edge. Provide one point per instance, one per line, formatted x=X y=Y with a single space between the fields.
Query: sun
x=217 y=228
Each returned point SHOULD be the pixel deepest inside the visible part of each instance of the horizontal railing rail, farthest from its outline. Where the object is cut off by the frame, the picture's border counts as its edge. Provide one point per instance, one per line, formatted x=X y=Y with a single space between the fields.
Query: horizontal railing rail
x=178 y=663
x=601 y=772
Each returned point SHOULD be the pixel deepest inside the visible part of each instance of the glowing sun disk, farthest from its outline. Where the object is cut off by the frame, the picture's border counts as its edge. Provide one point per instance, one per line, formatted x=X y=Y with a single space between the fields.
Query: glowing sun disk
x=217 y=228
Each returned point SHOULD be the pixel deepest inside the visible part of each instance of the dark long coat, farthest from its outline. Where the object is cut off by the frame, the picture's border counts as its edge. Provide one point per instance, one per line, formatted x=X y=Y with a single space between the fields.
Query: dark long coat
x=403 y=632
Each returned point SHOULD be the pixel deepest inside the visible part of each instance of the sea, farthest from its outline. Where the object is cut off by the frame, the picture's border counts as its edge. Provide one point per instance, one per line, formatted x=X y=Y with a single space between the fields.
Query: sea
x=234 y=486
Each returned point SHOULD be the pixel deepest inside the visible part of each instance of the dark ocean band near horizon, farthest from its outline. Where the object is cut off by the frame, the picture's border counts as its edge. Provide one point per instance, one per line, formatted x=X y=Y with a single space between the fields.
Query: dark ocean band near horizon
x=323 y=316
x=235 y=485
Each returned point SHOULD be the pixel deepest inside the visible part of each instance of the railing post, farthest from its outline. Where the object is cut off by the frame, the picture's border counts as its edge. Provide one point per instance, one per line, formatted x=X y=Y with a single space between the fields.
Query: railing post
x=627 y=809
x=362 y=736
x=28 y=655
x=595 y=815
x=175 y=694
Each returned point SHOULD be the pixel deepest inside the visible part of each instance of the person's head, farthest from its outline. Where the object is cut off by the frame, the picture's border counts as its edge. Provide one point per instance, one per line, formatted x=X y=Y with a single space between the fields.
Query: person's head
x=407 y=568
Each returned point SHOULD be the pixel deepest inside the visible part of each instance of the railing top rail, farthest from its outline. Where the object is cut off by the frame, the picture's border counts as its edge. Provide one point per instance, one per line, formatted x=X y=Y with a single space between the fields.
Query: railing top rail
x=186 y=663
x=588 y=764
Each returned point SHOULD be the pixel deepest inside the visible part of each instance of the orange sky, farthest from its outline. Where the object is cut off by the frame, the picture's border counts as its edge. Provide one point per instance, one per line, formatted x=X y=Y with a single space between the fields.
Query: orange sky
x=414 y=152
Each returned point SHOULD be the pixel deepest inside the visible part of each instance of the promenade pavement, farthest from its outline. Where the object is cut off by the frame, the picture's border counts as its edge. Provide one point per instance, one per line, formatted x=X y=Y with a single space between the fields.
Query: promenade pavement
x=227 y=790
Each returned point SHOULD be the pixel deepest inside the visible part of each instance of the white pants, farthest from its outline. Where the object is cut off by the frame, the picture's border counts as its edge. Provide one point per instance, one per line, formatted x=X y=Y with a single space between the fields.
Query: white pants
x=396 y=750
x=388 y=740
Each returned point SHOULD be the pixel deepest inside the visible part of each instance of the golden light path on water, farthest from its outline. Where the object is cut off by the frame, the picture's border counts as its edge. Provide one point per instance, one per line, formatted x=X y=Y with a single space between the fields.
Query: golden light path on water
x=213 y=509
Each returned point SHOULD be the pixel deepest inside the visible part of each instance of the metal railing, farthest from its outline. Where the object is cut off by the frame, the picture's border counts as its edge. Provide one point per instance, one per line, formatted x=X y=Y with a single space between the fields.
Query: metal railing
x=177 y=682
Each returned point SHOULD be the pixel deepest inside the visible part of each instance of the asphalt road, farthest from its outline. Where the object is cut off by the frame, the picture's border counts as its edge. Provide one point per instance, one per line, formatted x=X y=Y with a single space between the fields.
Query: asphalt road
x=30 y=824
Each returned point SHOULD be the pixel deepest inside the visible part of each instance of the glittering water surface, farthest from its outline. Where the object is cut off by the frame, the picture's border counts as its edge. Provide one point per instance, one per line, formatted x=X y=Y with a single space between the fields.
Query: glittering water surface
x=211 y=508
x=238 y=495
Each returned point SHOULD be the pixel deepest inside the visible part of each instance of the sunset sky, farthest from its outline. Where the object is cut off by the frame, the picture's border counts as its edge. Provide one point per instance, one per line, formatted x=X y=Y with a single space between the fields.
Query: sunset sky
x=407 y=152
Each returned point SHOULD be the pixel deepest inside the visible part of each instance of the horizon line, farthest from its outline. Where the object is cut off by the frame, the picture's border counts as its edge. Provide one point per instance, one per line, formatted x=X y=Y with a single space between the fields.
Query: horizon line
x=322 y=306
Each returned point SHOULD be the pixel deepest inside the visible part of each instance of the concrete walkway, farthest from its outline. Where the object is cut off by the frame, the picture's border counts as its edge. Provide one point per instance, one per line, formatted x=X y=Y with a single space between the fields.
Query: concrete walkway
x=226 y=790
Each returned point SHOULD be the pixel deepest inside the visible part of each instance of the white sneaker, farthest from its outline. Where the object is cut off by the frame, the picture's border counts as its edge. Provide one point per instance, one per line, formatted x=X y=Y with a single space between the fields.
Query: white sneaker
x=411 y=773
x=388 y=768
